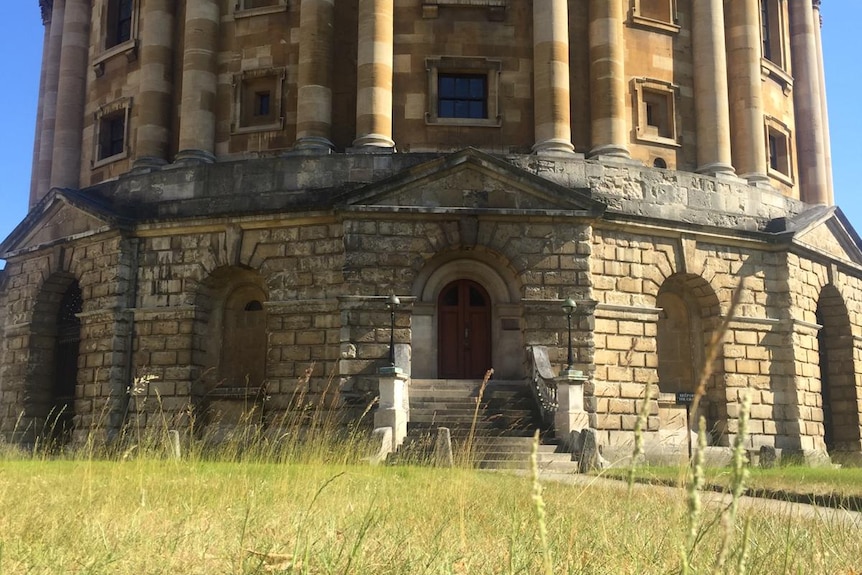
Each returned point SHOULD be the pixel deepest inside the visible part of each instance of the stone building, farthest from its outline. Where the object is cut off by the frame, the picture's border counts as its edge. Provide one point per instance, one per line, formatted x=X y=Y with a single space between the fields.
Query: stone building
x=225 y=193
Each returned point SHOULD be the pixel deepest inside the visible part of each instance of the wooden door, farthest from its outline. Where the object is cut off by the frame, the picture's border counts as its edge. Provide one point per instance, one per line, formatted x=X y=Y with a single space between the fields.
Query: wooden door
x=463 y=331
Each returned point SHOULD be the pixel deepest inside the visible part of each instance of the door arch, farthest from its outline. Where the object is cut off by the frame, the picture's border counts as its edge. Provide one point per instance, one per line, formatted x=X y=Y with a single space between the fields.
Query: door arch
x=463 y=330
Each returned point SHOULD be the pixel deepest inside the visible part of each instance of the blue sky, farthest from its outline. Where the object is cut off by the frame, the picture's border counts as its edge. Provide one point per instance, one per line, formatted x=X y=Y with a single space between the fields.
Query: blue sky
x=21 y=35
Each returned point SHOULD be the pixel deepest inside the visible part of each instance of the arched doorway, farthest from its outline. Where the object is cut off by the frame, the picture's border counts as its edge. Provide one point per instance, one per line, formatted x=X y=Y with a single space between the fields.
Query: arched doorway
x=66 y=364
x=243 y=354
x=837 y=374
x=688 y=306
x=463 y=330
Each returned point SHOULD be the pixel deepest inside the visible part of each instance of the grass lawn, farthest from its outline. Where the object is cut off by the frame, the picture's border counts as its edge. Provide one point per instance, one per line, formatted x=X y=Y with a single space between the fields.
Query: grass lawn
x=151 y=516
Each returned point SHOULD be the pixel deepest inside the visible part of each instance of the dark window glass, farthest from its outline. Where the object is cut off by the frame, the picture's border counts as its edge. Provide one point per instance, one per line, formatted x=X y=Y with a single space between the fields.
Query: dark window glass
x=112 y=134
x=451 y=296
x=462 y=96
x=262 y=101
x=476 y=298
x=119 y=22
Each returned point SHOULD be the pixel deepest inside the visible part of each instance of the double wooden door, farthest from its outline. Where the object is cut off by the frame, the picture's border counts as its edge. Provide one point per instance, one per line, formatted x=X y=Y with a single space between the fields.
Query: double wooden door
x=463 y=331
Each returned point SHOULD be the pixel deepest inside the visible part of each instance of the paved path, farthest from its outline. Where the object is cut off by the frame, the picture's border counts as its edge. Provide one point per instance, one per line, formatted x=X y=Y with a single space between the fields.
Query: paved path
x=851 y=519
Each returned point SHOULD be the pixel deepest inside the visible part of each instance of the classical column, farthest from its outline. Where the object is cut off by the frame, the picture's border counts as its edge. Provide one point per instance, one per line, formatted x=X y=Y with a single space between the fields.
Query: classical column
x=710 y=88
x=197 y=107
x=824 y=109
x=154 y=101
x=748 y=138
x=45 y=6
x=314 y=91
x=607 y=79
x=49 y=101
x=553 y=129
x=374 y=75
x=72 y=84
x=810 y=151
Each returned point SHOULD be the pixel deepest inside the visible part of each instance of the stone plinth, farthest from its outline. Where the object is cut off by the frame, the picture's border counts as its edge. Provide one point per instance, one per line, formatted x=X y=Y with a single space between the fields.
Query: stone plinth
x=570 y=415
x=394 y=408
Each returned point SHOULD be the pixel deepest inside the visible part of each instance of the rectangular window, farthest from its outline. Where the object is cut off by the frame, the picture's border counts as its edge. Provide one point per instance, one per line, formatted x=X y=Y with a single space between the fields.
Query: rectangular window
x=118 y=22
x=656 y=15
x=655 y=106
x=778 y=150
x=772 y=27
x=258 y=100
x=112 y=135
x=462 y=96
x=246 y=8
x=463 y=91
x=111 y=132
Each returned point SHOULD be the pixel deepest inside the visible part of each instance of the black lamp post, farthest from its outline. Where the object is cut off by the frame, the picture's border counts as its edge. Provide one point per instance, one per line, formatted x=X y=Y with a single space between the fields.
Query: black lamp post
x=569 y=306
x=392 y=303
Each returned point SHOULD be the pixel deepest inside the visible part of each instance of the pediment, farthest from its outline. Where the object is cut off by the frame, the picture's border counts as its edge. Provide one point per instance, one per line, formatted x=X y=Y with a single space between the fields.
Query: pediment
x=472 y=180
x=827 y=231
x=62 y=215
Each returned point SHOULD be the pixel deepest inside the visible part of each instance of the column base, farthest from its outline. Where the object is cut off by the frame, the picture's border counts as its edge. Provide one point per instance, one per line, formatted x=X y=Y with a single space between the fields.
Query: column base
x=757 y=180
x=192 y=157
x=716 y=169
x=554 y=147
x=610 y=150
x=373 y=144
x=312 y=145
x=148 y=164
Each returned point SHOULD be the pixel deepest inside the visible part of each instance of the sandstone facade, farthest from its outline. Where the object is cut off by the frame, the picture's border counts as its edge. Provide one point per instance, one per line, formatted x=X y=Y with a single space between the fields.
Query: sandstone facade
x=254 y=178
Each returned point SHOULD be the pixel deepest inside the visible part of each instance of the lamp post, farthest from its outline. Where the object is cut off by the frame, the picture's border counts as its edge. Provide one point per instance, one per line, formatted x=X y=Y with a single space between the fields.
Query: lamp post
x=569 y=306
x=392 y=303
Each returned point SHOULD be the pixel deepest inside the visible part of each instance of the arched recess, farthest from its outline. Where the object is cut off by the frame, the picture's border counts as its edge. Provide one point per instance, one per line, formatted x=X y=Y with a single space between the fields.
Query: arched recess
x=232 y=329
x=689 y=315
x=496 y=281
x=52 y=382
x=837 y=374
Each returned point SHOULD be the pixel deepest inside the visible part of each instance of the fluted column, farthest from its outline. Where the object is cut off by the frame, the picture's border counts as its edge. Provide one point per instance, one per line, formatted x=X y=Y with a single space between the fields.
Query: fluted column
x=824 y=109
x=374 y=75
x=72 y=83
x=746 y=93
x=553 y=129
x=154 y=102
x=197 y=107
x=45 y=6
x=710 y=88
x=314 y=80
x=811 y=155
x=607 y=79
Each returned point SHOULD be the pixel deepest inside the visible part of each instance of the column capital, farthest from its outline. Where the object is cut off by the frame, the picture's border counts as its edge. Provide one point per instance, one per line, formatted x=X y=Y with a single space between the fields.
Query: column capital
x=46 y=6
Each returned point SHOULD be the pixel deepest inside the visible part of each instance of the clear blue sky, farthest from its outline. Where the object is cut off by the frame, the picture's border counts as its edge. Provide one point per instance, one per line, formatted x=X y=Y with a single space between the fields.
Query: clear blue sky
x=21 y=34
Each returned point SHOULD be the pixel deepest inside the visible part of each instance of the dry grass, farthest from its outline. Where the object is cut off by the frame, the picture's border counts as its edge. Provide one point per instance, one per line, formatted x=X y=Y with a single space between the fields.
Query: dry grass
x=193 y=516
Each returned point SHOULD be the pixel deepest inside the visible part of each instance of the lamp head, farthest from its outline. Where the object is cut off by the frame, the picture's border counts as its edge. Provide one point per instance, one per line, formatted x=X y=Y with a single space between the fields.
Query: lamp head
x=392 y=302
x=569 y=306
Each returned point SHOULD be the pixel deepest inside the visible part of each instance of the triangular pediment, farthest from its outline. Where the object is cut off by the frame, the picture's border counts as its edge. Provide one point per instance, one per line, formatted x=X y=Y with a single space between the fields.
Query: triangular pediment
x=60 y=216
x=472 y=180
x=826 y=230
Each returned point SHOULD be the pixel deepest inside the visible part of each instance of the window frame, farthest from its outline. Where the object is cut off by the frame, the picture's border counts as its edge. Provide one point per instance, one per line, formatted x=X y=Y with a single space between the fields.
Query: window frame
x=128 y=47
x=773 y=127
x=448 y=65
x=247 y=87
x=118 y=108
x=774 y=33
x=496 y=8
x=645 y=131
x=670 y=25
x=241 y=11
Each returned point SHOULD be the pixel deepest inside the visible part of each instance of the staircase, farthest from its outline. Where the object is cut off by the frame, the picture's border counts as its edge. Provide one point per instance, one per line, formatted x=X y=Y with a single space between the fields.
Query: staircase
x=502 y=433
